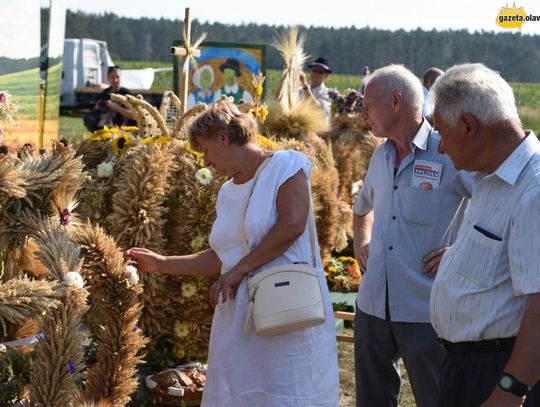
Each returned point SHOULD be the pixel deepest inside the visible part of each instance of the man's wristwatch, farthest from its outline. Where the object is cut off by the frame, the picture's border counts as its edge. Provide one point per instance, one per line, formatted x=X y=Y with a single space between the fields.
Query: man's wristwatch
x=509 y=383
x=306 y=87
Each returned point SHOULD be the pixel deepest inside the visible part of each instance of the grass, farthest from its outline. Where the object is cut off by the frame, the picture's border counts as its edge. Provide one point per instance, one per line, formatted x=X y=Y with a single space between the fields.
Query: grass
x=346 y=378
x=72 y=128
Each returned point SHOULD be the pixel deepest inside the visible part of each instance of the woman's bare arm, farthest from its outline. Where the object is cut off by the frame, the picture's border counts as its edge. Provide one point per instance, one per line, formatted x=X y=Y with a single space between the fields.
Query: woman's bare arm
x=198 y=264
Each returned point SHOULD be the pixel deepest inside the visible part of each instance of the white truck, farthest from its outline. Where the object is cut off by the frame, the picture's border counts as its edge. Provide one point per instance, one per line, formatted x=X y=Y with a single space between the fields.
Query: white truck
x=84 y=75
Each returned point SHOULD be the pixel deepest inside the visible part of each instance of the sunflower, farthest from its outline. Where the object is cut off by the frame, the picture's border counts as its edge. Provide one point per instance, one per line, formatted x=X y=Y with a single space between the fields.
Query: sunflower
x=265 y=142
x=101 y=135
x=120 y=143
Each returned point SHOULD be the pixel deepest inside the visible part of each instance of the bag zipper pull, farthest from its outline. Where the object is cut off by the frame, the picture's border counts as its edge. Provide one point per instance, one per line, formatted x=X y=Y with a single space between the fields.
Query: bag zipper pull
x=249 y=314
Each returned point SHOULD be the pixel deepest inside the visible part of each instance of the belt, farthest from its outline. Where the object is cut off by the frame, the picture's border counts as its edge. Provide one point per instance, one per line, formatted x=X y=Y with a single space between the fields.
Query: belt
x=490 y=345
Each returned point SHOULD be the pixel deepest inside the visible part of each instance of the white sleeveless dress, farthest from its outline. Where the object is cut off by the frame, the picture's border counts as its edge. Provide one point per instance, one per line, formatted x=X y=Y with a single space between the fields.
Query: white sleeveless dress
x=295 y=369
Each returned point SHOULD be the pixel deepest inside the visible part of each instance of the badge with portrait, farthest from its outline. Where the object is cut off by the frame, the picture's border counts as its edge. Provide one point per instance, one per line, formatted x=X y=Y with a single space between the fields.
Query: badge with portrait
x=426 y=174
x=223 y=69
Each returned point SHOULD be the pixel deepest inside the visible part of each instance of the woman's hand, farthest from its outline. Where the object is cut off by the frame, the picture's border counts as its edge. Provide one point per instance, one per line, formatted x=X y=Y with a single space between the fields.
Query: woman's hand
x=147 y=260
x=226 y=285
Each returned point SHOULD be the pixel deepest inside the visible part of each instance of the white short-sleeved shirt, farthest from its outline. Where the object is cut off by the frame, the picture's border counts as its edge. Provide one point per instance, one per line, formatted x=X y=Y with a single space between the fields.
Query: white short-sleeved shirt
x=295 y=369
x=409 y=223
x=482 y=286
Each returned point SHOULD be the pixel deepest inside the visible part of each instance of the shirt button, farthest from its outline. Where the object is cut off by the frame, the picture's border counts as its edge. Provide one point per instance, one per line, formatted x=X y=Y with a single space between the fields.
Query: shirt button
x=391 y=248
x=395 y=186
x=393 y=217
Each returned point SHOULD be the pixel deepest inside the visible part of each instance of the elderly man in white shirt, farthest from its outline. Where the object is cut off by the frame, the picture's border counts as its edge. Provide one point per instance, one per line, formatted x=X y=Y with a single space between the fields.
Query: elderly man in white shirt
x=485 y=301
x=414 y=193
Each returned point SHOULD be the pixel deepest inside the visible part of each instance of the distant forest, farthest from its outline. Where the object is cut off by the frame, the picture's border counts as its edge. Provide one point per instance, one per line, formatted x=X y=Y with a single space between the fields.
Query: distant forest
x=516 y=56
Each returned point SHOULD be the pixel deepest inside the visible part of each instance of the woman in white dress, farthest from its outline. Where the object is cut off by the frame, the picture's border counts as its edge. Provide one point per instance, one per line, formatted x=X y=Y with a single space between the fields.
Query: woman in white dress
x=294 y=369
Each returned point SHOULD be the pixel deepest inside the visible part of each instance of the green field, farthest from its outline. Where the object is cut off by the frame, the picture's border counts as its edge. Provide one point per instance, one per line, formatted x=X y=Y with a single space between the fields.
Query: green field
x=24 y=87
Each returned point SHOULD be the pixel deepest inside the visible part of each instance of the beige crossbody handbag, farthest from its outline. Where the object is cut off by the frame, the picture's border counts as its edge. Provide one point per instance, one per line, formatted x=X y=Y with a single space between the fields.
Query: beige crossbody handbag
x=286 y=297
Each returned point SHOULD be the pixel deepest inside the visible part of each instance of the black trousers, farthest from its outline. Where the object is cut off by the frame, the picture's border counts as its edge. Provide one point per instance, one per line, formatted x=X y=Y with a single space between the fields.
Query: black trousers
x=467 y=379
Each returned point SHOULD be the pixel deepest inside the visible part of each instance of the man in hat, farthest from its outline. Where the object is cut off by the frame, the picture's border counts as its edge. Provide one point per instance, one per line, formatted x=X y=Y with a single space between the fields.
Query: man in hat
x=317 y=91
x=231 y=73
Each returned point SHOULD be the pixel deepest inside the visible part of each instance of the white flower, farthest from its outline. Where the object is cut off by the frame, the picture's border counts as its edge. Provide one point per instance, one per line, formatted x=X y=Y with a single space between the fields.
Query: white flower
x=73 y=279
x=204 y=176
x=181 y=330
x=188 y=290
x=197 y=243
x=105 y=169
x=132 y=275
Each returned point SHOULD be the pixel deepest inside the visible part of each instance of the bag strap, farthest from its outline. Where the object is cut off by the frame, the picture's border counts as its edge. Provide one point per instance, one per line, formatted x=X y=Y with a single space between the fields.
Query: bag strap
x=311 y=218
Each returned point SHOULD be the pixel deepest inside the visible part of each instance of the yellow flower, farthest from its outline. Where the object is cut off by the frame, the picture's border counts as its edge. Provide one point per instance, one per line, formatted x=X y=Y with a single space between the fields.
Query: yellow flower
x=190 y=150
x=163 y=140
x=181 y=329
x=188 y=290
x=156 y=140
x=263 y=112
x=265 y=142
x=129 y=128
x=259 y=90
x=101 y=135
x=120 y=143
x=180 y=353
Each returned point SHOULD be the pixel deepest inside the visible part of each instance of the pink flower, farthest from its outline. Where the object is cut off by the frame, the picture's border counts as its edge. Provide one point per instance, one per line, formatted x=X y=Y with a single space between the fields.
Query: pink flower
x=3 y=97
x=64 y=217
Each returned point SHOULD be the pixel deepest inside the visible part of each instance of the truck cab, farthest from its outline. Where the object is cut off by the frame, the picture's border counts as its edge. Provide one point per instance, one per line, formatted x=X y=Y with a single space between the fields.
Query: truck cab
x=85 y=66
x=84 y=75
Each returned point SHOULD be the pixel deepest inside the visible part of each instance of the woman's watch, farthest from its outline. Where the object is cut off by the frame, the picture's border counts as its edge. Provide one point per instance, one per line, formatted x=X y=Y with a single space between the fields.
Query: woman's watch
x=509 y=383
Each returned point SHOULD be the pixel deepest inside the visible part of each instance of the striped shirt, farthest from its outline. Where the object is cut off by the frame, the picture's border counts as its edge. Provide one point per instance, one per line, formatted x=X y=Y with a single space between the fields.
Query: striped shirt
x=481 y=289
x=409 y=223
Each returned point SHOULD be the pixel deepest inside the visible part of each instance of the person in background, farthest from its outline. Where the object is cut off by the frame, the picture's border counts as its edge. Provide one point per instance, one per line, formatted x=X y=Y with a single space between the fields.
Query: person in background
x=365 y=73
x=410 y=197
x=317 y=90
x=485 y=302
x=430 y=76
x=115 y=114
x=231 y=73
x=297 y=368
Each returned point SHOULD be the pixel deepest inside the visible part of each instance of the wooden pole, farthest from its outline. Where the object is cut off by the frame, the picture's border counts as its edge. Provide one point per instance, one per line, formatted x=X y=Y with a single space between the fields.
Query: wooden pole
x=187 y=43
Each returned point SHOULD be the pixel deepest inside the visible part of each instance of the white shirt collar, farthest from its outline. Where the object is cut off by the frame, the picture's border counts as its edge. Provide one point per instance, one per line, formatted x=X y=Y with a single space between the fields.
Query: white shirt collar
x=512 y=167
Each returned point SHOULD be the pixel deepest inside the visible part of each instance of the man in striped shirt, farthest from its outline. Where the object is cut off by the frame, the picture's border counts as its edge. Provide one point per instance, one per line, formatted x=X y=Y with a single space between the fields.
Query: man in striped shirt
x=485 y=301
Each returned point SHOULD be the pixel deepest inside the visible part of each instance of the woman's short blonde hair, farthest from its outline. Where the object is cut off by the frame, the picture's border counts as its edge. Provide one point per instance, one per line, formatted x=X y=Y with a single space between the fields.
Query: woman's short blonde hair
x=222 y=116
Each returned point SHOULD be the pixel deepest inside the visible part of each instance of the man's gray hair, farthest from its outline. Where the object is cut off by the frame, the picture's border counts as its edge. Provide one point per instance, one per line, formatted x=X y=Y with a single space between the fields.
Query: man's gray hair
x=394 y=78
x=473 y=89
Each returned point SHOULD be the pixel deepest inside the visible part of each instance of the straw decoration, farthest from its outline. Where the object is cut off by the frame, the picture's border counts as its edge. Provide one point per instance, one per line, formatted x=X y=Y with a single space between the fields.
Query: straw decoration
x=115 y=304
x=22 y=299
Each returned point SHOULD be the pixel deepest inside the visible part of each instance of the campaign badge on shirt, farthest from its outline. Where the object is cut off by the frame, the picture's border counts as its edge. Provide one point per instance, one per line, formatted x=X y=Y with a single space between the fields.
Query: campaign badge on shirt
x=426 y=174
